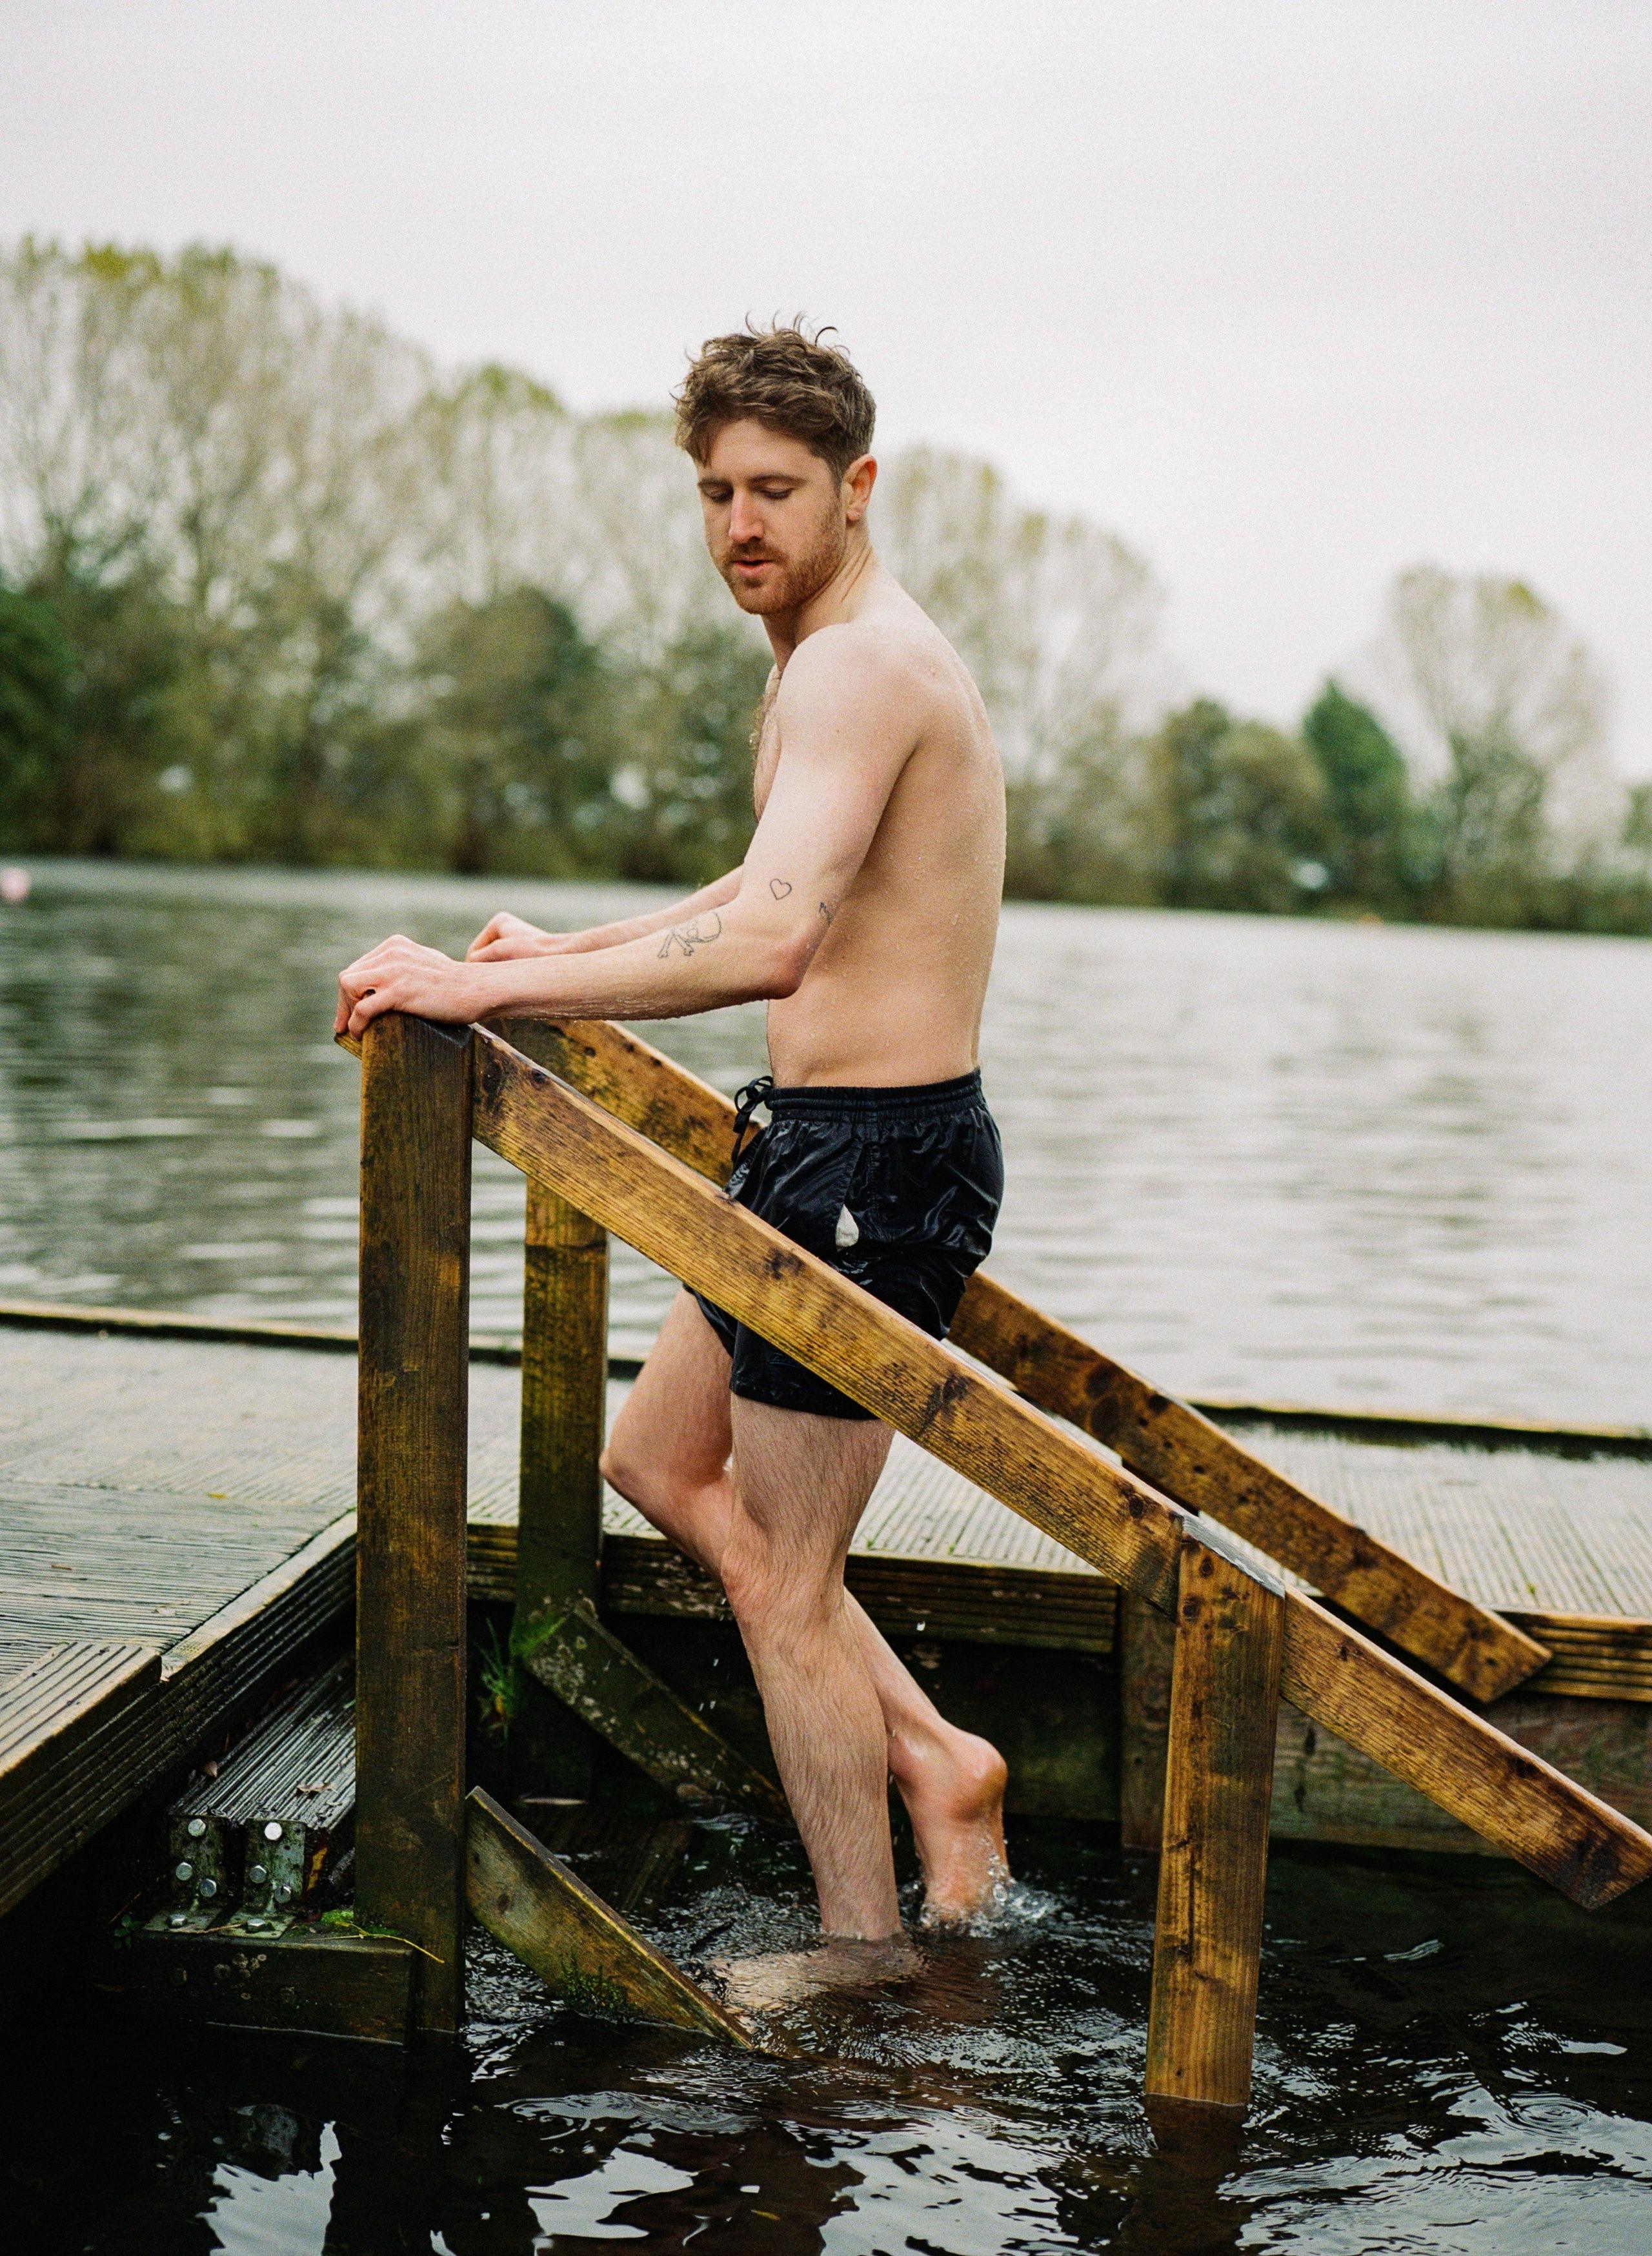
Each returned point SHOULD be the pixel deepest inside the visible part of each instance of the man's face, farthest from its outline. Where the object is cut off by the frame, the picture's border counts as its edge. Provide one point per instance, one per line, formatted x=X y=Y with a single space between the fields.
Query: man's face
x=777 y=519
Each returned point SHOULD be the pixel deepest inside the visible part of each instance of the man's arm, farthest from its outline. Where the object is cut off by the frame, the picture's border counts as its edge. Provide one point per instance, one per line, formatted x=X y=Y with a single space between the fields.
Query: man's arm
x=505 y=936
x=847 y=716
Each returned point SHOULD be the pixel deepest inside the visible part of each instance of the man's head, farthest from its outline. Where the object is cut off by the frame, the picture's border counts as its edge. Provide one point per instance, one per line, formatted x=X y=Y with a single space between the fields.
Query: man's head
x=779 y=426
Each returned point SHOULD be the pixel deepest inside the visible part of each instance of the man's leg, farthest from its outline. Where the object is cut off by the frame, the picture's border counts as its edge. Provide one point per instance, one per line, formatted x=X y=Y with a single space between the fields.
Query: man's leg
x=668 y=1451
x=800 y=1484
x=669 y=1454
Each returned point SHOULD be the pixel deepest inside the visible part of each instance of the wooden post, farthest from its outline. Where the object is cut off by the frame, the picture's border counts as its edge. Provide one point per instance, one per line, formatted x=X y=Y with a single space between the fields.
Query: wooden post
x=1147 y=1647
x=414 y=1399
x=1219 y=1780
x=564 y=1349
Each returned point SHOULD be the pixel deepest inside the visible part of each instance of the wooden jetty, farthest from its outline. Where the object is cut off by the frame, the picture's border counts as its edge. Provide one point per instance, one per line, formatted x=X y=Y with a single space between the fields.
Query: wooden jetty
x=178 y=1531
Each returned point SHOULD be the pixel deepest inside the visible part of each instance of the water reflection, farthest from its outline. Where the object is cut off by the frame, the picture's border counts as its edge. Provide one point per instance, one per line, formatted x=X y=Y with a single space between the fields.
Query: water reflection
x=1254 y=1156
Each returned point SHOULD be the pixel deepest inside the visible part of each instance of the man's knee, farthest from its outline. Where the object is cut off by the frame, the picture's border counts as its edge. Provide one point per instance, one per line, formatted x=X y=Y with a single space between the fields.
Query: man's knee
x=641 y=1477
x=772 y=1597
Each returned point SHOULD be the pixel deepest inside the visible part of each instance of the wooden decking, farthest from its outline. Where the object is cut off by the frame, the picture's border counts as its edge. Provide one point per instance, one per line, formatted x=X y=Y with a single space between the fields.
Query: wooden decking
x=176 y=1520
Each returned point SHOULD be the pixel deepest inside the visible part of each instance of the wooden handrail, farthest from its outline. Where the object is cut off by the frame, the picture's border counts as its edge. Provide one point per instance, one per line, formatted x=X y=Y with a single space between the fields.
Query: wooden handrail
x=1182 y=1453
x=664 y=1207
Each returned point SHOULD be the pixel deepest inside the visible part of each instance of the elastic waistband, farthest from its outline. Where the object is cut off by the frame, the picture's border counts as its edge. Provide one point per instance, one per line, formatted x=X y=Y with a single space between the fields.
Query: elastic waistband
x=823 y=1103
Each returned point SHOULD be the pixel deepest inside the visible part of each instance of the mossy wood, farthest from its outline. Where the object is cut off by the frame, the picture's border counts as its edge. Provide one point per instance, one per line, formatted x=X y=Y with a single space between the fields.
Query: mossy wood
x=1158 y=1437
x=578 y=1945
x=605 y=1684
x=310 y=1984
x=1218 y=1778
x=1125 y=1529
x=413 y=1403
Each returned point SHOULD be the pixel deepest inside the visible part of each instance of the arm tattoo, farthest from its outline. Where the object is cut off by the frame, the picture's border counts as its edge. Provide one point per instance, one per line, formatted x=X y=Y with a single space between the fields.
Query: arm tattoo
x=779 y=888
x=827 y=910
x=688 y=937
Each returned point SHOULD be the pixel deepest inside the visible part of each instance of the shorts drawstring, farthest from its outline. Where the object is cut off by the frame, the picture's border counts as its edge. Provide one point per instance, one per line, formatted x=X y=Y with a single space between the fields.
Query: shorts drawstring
x=747 y=1100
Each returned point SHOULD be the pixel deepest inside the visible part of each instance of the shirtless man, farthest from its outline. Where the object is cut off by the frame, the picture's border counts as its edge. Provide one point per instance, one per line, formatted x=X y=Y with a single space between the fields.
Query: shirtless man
x=865 y=914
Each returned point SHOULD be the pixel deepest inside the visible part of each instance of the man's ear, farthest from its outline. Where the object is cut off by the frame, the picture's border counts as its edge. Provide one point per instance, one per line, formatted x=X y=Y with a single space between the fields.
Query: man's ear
x=858 y=480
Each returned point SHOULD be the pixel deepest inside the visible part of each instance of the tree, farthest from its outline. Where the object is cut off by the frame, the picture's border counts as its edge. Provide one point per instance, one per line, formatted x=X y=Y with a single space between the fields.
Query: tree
x=124 y=781
x=1244 y=813
x=682 y=794
x=1371 y=842
x=1501 y=710
x=36 y=669
x=515 y=734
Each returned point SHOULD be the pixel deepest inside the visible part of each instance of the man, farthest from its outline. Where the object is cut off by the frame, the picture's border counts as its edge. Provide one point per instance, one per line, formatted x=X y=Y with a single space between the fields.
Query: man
x=865 y=912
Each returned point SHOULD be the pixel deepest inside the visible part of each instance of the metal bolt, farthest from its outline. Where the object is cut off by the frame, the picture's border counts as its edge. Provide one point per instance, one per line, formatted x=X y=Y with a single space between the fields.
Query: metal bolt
x=177 y=1919
x=255 y=1926
x=284 y=1892
x=183 y=1872
x=257 y=1875
x=210 y=1887
x=272 y=1831
x=195 y=1828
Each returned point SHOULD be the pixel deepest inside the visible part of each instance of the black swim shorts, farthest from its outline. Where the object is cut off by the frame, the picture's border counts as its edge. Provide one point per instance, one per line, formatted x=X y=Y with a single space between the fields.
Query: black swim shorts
x=898 y=1188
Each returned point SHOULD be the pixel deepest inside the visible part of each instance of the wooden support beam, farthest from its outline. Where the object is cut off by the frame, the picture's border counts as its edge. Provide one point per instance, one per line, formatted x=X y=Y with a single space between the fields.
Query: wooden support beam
x=565 y=1365
x=605 y=1684
x=302 y=1983
x=413 y=1407
x=578 y=1945
x=1218 y=1780
x=1122 y=1527
x=1164 y=1440
x=565 y=1343
x=1147 y=1648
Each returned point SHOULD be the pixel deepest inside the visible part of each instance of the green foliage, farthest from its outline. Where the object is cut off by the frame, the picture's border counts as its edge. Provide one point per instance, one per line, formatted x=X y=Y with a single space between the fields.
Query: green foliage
x=499 y=1701
x=682 y=795
x=37 y=670
x=100 y=756
x=1244 y=819
x=514 y=731
x=1373 y=835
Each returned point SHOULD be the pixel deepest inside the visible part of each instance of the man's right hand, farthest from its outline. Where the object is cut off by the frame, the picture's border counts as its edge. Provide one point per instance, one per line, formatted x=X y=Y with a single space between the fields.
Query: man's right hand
x=505 y=936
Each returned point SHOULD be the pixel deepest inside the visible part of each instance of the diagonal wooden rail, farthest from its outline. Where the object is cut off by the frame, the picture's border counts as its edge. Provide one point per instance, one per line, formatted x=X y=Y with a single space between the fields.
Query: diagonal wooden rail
x=1181 y=1453
x=1127 y=1530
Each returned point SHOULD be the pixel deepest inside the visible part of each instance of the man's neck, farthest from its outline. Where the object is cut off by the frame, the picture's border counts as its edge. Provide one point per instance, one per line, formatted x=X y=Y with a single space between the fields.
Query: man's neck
x=836 y=600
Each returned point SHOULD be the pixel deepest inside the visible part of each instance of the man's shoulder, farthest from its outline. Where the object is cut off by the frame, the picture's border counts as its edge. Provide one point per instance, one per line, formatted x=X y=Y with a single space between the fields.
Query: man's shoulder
x=882 y=657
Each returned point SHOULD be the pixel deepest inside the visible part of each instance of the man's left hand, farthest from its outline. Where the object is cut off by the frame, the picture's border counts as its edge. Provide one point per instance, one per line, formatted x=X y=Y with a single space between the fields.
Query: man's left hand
x=399 y=975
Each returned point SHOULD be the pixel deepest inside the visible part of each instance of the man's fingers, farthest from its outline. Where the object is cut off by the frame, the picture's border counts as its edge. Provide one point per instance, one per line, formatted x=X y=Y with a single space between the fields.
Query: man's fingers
x=368 y=1004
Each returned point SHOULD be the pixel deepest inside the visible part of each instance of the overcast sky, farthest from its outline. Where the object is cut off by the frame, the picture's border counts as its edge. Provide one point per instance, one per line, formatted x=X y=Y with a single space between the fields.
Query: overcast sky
x=1291 y=295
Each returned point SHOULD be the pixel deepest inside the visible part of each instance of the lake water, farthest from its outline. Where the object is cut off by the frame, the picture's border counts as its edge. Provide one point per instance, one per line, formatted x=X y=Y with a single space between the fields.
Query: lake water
x=1259 y=1159
x=1254 y=1157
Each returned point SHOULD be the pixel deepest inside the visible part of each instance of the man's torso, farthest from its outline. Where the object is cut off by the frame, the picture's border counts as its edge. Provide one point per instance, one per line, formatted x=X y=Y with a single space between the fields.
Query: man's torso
x=894 y=996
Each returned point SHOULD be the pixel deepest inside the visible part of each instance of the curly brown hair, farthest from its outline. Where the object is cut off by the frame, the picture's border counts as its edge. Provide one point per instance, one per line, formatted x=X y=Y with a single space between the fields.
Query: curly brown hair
x=784 y=377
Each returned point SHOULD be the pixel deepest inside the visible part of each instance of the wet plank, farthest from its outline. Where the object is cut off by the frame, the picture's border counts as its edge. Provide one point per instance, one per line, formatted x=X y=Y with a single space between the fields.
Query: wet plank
x=1223 y=1711
x=578 y=1945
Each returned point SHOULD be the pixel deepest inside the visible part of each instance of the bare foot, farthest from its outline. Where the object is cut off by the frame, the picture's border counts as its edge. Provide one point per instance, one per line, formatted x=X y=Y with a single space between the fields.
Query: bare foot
x=786 y=1978
x=954 y=1789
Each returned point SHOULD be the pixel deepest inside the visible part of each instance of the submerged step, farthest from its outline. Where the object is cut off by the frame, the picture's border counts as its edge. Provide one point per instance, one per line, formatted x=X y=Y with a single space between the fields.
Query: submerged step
x=578 y=1945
